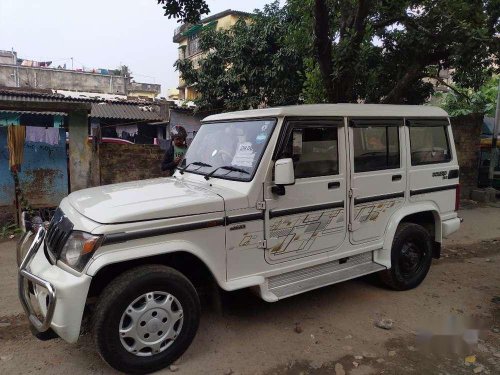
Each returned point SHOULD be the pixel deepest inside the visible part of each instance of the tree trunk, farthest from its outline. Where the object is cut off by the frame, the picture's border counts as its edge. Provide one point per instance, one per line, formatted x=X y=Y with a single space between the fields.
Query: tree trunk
x=396 y=94
x=343 y=83
x=323 y=47
x=339 y=88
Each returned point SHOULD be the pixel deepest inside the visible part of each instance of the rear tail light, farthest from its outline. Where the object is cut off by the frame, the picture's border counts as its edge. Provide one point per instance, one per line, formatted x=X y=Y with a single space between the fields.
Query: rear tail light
x=457 y=197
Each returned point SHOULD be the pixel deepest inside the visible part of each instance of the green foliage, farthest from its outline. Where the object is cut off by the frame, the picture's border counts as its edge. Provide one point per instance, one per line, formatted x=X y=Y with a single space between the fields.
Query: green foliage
x=8 y=230
x=249 y=66
x=465 y=101
x=383 y=55
x=122 y=70
x=314 y=90
x=185 y=10
x=343 y=51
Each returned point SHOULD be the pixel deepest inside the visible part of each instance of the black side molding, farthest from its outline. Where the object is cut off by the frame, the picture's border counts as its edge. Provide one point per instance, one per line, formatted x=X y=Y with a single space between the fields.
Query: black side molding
x=376 y=198
x=123 y=237
x=245 y=217
x=433 y=189
x=299 y=210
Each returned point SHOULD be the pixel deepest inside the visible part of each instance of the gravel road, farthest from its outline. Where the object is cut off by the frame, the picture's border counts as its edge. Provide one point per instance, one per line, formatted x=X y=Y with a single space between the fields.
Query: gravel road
x=332 y=330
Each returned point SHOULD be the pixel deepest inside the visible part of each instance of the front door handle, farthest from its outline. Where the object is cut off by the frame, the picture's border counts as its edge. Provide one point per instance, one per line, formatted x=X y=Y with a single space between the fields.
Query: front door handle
x=334 y=185
x=397 y=177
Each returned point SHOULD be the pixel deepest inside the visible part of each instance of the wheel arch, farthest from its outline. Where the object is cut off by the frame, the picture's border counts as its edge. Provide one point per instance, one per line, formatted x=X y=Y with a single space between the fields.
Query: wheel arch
x=426 y=214
x=108 y=266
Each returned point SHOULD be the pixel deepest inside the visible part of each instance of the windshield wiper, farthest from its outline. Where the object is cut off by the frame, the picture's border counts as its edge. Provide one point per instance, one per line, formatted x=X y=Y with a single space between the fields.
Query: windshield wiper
x=197 y=163
x=229 y=168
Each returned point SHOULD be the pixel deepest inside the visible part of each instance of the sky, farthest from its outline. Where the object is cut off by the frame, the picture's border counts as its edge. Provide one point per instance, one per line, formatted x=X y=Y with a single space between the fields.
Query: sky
x=100 y=34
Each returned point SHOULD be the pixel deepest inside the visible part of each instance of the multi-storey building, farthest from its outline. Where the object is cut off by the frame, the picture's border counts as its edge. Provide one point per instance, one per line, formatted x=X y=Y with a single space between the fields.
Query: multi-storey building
x=188 y=38
x=27 y=74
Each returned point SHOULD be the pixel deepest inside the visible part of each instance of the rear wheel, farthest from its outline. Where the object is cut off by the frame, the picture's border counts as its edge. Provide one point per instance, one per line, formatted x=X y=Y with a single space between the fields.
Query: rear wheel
x=411 y=257
x=145 y=319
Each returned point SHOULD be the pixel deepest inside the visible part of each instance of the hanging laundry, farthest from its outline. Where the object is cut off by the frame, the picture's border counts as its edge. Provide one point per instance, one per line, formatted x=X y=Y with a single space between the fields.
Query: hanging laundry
x=52 y=136
x=35 y=134
x=15 y=143
x=43 y=135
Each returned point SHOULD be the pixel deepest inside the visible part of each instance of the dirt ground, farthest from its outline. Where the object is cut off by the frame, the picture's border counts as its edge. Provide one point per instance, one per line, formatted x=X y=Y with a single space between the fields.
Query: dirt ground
x=328 y=331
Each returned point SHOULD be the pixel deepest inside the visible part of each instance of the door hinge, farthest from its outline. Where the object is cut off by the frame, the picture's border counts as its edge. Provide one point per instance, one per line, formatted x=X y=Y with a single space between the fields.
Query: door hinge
x=354 y=226
x=269 y=243
x=261 y=205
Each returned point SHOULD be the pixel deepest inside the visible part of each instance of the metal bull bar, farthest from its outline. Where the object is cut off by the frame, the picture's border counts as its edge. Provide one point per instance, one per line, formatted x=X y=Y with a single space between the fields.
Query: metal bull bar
x=23 y=287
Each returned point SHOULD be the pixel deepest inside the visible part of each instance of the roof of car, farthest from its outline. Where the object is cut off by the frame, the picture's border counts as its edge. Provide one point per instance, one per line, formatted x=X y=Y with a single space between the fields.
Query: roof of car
x=336 y=110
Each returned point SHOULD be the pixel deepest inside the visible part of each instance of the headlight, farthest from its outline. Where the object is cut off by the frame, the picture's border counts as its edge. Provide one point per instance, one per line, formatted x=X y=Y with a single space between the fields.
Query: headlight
x=79 y=248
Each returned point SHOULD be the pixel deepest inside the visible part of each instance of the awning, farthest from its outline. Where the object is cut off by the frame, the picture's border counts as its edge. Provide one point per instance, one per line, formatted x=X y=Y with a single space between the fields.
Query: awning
x=126 y=111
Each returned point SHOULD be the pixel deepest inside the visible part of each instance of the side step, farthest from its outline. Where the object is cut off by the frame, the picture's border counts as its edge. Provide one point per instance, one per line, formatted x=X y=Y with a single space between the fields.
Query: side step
x=296 y=282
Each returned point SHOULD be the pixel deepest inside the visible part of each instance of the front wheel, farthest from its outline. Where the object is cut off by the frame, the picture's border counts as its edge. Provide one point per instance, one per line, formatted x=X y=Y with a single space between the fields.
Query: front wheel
x=411 y=257
x=145 y=319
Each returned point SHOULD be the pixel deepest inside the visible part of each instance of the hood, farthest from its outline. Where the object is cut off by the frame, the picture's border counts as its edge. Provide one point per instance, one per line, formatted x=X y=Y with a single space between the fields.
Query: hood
x=157 y=198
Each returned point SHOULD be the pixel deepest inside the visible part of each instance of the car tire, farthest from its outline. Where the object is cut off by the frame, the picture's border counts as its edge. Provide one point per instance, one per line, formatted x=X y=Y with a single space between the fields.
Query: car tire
x=411 y=257
x=152 y=301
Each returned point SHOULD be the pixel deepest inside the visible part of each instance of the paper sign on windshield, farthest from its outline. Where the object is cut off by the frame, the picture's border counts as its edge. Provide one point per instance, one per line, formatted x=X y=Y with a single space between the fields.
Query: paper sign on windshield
x=244 y=156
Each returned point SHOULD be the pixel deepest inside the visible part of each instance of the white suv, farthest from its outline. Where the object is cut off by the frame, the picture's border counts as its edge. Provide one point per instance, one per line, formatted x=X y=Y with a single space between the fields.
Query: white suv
x=279 y=200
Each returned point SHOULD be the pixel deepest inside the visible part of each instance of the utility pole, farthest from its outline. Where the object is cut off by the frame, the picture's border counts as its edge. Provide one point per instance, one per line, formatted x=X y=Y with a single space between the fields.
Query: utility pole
x=494 y=146
x=71 y=63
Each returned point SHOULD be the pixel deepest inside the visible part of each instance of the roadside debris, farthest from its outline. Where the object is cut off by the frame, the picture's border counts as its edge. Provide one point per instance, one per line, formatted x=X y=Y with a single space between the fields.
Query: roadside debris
x=392 y=353
x=339 y=369
x=469 y=360
x=298 y=328
x=384 y=323
x=173 y=368
x=478 y=369
x=495 y=299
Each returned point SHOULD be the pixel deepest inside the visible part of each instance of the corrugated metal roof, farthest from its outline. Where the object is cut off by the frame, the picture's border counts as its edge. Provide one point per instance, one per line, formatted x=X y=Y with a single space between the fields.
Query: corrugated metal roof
x=36 y=96
x=34 y=113
x=125 y=111
x=42 y=95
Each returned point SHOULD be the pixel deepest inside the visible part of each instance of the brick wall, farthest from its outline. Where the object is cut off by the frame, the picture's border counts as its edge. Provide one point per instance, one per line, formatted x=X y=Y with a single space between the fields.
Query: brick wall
x=120 y=163
x=467 y=131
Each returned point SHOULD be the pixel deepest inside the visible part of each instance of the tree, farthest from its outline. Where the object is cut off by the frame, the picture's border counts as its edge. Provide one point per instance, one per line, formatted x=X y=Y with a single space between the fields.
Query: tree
x=185 y=10
x=462 y=101
x=248 y=66
x=395 y=43
x=380 y=50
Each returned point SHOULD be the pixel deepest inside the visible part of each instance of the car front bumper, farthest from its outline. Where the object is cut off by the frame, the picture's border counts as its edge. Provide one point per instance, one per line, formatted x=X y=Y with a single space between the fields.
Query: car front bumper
x=51 y=297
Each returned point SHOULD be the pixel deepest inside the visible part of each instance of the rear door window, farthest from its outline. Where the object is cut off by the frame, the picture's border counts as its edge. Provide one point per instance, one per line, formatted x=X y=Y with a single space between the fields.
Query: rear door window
x=376 y=148
x=429 y=145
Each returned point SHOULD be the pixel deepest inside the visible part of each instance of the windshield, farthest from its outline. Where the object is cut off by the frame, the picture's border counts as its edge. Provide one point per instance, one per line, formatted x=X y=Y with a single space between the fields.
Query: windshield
x=234 y=147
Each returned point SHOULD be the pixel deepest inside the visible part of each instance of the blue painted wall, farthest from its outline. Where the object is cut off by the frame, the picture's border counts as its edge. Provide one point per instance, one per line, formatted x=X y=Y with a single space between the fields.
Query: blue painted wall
x=43 y=176
x=7 y=193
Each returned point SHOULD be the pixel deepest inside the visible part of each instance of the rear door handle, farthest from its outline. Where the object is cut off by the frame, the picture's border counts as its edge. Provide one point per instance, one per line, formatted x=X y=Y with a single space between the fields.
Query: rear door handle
x=334 y=185
x=397 y=177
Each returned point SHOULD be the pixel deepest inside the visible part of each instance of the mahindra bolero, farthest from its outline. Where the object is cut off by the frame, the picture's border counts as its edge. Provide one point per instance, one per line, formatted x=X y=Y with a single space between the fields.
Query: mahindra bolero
x=278 y=200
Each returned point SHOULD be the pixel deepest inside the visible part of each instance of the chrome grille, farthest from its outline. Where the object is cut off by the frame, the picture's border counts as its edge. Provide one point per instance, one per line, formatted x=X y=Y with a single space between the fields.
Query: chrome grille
x=60 y=228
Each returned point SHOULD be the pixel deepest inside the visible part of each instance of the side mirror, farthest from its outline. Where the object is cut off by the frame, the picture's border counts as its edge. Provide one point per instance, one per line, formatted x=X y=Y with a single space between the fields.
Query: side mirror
x=283 y=175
